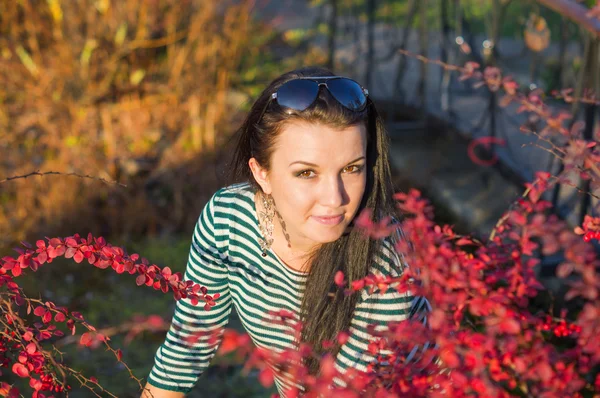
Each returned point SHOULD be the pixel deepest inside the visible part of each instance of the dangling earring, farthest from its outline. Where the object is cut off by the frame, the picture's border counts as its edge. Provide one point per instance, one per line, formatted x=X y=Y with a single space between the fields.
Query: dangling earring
x=284 y=229
x=266 y=226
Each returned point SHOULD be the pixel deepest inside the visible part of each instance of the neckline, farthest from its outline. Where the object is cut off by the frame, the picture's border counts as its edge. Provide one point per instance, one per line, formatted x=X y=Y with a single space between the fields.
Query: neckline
x=270 y=251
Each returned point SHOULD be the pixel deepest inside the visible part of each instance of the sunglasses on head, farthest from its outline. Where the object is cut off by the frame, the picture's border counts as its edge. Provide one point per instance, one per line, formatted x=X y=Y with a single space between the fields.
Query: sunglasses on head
x=300 y=93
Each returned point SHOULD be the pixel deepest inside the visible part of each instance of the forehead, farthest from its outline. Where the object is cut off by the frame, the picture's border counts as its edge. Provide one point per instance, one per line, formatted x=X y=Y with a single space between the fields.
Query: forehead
x=318 y=143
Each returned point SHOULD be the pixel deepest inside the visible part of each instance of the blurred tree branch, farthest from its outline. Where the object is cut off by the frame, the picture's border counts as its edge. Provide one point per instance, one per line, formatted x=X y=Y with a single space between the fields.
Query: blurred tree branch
x=37 y=173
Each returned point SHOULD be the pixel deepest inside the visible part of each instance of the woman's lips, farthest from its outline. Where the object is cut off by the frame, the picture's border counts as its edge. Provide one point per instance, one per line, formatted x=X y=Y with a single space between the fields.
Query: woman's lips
x=332 y=220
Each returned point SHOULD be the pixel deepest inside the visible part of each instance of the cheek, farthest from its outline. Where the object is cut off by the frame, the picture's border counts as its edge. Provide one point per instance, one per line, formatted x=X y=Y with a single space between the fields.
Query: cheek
x=298 y=200
x=357 y=188
x=294 y=200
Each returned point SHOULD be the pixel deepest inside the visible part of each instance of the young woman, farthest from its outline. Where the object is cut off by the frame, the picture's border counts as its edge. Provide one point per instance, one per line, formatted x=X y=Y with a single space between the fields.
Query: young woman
x=313 y=153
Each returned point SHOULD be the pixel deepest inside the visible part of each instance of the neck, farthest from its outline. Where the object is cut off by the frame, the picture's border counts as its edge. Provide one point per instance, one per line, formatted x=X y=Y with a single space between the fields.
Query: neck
x=295 y=253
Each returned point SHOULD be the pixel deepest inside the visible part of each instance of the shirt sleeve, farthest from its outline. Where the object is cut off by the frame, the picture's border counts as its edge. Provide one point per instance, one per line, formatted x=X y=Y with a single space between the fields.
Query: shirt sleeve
x=379 y=309
x=195 y=334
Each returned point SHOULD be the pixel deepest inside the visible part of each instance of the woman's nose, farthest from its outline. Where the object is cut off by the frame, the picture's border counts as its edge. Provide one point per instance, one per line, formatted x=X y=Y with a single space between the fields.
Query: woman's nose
x=333 y=192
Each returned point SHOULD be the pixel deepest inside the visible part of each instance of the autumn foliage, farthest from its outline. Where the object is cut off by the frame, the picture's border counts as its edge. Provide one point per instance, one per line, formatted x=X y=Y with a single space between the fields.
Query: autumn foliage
x=22 y=343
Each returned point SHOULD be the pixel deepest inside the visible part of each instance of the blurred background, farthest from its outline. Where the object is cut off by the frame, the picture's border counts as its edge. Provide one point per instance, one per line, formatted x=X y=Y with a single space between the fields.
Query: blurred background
x=149 y=94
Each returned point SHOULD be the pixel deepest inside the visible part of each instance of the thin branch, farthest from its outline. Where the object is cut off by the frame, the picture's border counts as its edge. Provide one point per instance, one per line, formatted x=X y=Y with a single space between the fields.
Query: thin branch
x=37 y=173
x=155 y=43
x=505 y=217
x=577 y=13
x=543 y=148
x=422 y=58
x=456 y=68
x=546 y=140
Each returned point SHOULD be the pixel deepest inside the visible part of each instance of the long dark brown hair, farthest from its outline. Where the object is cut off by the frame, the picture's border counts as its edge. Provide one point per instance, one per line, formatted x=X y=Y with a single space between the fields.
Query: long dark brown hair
x=325 y=310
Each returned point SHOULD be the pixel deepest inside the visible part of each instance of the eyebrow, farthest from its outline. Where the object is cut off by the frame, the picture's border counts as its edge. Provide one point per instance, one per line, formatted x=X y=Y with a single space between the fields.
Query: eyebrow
x=314 y=165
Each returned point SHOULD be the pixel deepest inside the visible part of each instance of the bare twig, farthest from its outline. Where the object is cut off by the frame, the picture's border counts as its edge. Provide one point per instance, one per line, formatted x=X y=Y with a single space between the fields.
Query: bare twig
x=443 y=65
x=37 y=173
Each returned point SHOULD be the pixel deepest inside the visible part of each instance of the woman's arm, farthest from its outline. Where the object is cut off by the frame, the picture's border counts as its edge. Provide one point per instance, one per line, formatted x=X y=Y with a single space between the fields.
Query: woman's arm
x=380 y=308
x=195 y=333
x=154 y=392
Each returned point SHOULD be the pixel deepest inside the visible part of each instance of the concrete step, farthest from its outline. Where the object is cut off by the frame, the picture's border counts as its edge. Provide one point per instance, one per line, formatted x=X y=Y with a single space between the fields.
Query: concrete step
x=474 y=195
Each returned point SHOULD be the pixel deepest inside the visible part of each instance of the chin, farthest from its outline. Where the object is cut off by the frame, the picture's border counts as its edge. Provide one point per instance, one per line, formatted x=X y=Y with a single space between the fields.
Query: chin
x=328 y=237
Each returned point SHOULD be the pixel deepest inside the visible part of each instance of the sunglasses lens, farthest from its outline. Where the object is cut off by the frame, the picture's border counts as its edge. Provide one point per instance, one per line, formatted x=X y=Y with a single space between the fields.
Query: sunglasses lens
x=297 y=94
x=348 y=93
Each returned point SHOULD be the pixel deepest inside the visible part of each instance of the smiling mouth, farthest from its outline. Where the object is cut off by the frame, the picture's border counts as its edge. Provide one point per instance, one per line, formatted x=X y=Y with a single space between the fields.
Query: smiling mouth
x=329 y=220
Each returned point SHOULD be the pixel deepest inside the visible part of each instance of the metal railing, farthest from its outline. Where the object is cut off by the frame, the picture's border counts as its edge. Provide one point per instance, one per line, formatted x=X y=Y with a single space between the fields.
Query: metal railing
x=576 y=37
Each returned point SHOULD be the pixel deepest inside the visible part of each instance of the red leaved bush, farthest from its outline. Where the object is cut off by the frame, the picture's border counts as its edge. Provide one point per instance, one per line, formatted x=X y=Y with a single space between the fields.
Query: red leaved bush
x=21 y=343
x=485 y=336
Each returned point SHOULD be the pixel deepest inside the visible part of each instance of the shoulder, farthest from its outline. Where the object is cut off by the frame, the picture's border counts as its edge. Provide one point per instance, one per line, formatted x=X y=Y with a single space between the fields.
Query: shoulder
x=231 y=198
x=242 y=192
x=389 y=260
x=227 y=209
x=231 y=210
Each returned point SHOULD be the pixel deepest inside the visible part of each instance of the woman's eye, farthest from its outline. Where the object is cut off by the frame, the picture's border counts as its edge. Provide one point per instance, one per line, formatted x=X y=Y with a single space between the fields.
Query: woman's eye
x=305 y=174
x=352 y=169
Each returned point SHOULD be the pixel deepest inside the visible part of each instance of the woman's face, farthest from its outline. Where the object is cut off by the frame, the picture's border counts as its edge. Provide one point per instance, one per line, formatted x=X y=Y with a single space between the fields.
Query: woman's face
x=317 y=179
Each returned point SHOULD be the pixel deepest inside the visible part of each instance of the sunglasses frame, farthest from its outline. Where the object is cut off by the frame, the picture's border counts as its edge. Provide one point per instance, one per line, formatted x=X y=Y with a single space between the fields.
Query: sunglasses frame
x=321 y=81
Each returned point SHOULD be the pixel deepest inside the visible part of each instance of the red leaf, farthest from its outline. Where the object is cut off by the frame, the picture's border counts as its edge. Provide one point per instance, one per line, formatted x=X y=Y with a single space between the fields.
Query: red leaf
x=77 y=315
x=86 y=340
x=20 y=369
x=357 y=285
x=103 y=263
x=327 y=367
x=266 y=377
x=31 y=348
x=155 y=321
x=70 y=252
x=42 y=257
x=55 y=242
x=450 y=358
x=59 y=251
x=39 y=311
x=36 y=385
x=47 y=317
x=437 y=318
x=59 y=317
x=339 y=278
x=140 y=280
x=544 y=371
x=343 y=338
x=510 y=326
x=78 y=257
x=119 y=354
x=564 y=270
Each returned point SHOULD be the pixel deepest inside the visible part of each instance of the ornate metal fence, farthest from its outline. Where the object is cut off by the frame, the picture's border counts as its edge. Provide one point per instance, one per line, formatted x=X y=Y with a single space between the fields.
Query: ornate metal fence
x=547 y=46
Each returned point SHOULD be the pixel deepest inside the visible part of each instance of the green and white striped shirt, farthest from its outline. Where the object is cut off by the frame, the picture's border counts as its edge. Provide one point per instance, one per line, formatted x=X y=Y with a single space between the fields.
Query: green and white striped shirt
x=225 y=257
